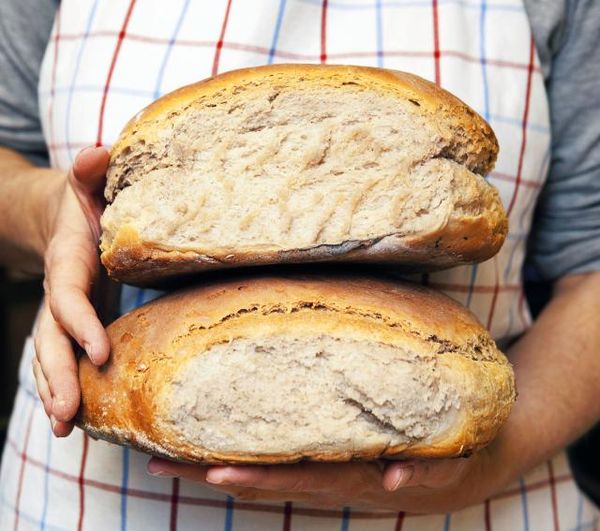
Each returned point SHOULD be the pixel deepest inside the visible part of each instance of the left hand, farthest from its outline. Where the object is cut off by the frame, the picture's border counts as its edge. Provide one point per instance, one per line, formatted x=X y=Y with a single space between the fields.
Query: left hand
x=416 y=486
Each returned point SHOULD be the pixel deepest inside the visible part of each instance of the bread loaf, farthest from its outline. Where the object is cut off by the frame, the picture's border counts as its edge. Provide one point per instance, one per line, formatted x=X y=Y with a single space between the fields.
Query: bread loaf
x=301 y=163
x=277 y=369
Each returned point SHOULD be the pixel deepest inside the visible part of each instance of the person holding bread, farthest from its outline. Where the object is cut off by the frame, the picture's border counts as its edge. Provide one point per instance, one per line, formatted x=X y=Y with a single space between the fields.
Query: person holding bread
x=409 y=181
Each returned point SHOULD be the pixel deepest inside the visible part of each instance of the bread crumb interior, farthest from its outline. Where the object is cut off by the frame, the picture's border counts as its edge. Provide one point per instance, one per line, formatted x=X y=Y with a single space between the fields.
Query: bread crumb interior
x=285 y=394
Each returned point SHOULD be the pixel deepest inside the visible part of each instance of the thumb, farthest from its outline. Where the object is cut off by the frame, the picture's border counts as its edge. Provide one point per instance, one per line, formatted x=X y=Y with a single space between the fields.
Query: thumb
x=432 y=474
x=87 y=178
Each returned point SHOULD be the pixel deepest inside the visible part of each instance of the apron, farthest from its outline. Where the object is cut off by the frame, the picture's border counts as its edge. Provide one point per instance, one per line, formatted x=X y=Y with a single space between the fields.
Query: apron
x=107 y=60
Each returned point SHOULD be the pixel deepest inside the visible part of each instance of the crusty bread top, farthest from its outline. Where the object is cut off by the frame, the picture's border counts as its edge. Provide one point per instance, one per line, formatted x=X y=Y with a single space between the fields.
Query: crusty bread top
x=475 y=142
x=431 y=316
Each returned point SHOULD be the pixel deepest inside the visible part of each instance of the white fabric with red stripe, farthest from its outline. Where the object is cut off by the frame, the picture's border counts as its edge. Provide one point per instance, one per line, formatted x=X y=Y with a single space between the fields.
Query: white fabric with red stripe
x=106 y=60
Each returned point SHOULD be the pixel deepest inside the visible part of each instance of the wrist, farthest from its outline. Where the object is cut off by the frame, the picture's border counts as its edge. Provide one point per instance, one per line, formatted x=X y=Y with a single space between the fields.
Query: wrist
x=48 y=190
x=29 y=198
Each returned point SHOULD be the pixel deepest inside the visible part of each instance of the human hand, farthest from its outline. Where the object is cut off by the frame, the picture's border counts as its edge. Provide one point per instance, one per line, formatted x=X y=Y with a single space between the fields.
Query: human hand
x=416 y=486
x=71 y=267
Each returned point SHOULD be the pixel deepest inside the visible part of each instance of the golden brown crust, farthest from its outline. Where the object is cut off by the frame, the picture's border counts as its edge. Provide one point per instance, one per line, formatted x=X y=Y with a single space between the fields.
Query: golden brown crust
x=432 y=100
x=121 y=402
x=461 y=241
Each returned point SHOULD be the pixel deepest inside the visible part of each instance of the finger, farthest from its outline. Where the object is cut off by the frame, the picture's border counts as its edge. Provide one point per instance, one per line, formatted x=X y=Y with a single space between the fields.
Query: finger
x=87 y=178
x=169 y=469
x=42 y=386
x=69 y=277
x=59 y=367
x=302 y=477
x=431 y=474
x=163 y=468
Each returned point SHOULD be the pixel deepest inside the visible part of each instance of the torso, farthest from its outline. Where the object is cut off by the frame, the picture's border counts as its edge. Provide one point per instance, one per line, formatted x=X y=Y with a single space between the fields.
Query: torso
x=107 y=60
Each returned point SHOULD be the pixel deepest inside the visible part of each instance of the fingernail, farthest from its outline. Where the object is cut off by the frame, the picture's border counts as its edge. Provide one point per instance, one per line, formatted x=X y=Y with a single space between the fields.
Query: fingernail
x=157 y=471
x=162 y=474
x=90 y=351
x=217 y=476
x=53 y=422
x=401 y=476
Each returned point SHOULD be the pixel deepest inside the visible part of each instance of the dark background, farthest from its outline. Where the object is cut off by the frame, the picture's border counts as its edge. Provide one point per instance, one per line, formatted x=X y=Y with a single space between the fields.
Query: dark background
x=19 y=301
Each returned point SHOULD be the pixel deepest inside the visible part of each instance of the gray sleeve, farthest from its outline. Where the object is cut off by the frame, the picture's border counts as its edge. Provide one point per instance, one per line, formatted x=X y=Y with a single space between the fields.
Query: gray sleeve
x=565 y=237
x=24 y=30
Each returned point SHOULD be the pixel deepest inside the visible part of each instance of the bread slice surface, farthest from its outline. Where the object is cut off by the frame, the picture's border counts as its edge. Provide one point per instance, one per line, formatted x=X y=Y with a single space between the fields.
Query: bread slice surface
x=301 y=163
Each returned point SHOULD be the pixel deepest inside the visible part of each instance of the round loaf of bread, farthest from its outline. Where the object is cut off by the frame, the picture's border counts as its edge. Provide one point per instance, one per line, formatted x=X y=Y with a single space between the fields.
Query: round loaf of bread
x=279 y=369
x=301 y=163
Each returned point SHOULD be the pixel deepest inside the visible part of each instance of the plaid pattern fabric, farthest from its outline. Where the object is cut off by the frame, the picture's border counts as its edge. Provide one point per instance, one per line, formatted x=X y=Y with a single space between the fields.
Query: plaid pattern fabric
x=105 y=60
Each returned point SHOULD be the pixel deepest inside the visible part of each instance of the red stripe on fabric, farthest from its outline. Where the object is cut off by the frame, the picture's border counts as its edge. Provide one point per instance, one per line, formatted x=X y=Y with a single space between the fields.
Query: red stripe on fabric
x=521 y=308
x=436 y=40
x=487 y=516
x=219 y=44
x=174 y=504
x=248 y=506
x=495 y=294
x=111 y=69
x=24 y=458
x=308 y=57
x=323 y=57
x=512 y=178
x=399 y=521
x=70 y=145
x=81 y=481
x=287 y=516
x=552 y=482
x=53 y=86
x=523 y=126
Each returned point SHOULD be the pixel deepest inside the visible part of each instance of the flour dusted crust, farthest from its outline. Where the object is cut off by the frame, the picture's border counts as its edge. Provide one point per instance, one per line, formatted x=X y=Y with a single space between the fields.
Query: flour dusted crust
x=470 y=229
x=130 y=400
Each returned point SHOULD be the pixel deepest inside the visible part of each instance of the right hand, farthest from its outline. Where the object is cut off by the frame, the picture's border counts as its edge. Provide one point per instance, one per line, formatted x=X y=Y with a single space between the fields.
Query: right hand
x=71 y=268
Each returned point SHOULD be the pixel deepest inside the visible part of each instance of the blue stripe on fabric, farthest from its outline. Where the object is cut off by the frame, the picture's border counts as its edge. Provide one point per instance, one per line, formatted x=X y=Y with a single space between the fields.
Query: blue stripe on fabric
x=379 y=31
x=486 y=95
x=49 y=438
x=538 y=128
x=524 y=505
x=229 y=514
x=345 y=519
x=124 y=485
x=139 y=298
x=88 y=27
x=486 y=115
x=579 y=511
x=27 y=517
x=417 y=3
x=472 y=280
x=447 y=522
x=275 y=39
x=161 y=71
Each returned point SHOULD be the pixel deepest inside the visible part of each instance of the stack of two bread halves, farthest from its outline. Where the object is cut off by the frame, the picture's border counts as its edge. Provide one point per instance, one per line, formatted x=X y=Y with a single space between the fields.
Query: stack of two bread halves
x=297 y=164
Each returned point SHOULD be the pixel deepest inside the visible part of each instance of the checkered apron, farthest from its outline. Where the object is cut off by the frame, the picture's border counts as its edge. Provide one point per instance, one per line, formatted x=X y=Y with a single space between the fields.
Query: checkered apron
x=106 y=60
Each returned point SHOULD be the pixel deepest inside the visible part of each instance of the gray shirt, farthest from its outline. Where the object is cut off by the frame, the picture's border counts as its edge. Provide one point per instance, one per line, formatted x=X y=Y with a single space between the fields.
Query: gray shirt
x=565 y=236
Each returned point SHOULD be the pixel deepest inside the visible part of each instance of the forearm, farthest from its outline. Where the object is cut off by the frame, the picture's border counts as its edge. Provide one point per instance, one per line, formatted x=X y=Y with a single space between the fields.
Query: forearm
x=557 y=366
x=27 y=208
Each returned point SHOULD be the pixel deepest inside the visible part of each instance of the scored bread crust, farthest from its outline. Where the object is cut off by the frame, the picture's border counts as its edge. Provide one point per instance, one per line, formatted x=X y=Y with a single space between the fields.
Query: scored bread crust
x=127 y=400
x=465 y=238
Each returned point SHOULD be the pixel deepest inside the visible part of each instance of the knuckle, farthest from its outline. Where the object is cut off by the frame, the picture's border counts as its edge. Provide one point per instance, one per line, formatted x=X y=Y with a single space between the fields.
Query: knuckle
x=299 y=485
x=36 y=346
